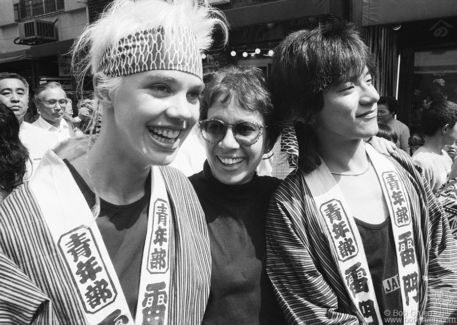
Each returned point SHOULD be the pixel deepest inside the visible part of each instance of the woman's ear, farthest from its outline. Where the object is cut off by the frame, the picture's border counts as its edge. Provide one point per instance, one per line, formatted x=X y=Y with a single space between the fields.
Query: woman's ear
x=101 y=92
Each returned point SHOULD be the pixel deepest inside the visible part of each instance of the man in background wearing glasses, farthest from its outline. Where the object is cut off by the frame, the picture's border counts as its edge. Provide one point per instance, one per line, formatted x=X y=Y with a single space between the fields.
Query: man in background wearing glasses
x=51 y=100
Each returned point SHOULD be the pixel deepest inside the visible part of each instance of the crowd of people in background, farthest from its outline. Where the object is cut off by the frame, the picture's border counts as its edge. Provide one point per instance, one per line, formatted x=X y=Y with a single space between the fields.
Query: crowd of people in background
x=292 y=198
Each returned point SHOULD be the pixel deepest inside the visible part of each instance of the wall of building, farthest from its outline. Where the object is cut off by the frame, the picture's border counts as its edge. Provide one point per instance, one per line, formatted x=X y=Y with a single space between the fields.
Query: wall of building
x=70 y=23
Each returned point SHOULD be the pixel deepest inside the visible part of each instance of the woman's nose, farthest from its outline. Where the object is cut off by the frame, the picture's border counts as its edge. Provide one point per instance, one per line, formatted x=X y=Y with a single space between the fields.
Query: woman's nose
x=229 y=141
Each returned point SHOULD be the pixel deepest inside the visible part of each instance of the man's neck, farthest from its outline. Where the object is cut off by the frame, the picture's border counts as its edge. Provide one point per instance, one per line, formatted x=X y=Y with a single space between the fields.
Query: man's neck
x=434 y=144
x=344 y=156
x=54 y=124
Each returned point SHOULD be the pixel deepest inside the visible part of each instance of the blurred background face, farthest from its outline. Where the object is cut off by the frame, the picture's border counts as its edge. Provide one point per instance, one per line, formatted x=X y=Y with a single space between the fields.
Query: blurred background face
x=450 y=135
x=230 y=162
x=15 y=96
x=69 y=107
x=52 y=105
x=384 y=115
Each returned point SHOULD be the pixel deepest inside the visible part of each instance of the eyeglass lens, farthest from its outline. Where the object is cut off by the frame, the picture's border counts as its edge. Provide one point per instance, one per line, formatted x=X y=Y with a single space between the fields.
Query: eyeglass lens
x=61 y=102
x=245 y=133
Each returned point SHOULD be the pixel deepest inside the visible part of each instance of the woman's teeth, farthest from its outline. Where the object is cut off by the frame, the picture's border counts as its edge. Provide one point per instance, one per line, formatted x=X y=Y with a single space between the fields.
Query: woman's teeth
x=230 y=161
x=164 y=135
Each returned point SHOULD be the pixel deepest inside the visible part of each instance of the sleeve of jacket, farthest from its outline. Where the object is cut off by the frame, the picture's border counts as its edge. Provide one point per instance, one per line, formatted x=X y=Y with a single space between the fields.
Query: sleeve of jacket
x=442 y=272
x=21 y=301
x=440 y=249
x=296 y=268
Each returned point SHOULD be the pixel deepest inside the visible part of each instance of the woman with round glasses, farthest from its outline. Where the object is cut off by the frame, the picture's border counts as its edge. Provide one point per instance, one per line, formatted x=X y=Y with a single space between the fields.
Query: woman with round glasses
x=236 y=120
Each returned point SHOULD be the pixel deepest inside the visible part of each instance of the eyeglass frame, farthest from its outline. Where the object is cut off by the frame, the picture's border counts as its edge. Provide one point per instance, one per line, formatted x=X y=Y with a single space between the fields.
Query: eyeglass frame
x=231 y=125
x=55 y=104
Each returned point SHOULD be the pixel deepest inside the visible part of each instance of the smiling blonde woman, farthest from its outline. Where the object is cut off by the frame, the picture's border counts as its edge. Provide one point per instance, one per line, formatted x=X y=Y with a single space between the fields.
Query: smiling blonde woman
x=104 y=233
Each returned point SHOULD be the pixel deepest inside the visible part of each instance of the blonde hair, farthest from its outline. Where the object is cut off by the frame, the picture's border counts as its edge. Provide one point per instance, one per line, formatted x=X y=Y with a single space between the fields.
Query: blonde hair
x=125 y=17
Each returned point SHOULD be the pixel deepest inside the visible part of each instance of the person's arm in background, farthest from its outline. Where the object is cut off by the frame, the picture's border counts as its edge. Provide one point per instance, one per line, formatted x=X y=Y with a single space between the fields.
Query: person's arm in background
x=404 y=137
x=453 y=173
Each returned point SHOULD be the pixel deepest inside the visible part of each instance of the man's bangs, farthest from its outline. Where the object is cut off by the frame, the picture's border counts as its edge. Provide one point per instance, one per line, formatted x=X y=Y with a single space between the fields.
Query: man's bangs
x=352 y=66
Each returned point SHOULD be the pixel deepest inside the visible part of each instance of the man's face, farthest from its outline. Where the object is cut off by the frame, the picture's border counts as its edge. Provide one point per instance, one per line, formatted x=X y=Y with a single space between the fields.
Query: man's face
x=52 y=104
x=15 y=96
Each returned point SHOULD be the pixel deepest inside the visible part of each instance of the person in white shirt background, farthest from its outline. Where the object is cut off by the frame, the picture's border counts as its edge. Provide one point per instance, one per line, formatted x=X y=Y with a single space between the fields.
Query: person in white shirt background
x=51 y=102
x=14 y=94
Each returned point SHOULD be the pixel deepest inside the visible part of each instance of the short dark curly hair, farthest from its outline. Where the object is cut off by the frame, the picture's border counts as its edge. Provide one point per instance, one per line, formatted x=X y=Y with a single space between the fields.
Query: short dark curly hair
x=246 y=85
x=437 y=115
x=13 y=154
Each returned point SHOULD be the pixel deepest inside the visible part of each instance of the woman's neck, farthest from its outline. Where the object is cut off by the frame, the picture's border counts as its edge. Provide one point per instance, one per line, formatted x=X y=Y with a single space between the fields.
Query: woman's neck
x=113 y=176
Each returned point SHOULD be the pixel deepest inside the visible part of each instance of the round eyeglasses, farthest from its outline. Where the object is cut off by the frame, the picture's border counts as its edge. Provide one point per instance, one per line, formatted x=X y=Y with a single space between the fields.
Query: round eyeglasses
x=53 y=102
x=245 y=133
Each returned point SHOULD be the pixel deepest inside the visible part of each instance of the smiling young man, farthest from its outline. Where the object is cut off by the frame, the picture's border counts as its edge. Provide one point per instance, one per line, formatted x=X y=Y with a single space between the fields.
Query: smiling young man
x=105 y=233
x=14 y=94
x=352 y=236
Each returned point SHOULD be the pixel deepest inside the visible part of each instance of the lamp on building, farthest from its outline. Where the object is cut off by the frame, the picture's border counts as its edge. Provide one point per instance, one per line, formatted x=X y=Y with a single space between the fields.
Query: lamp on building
x=257 y=51
x=203 y=56
x=270 y=51
x=245 y=54
x=233 y=53
x=397 y=27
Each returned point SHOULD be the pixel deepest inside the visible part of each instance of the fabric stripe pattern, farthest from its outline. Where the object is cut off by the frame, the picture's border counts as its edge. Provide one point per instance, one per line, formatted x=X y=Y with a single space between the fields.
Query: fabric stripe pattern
x=304 y=272
x=37 y=288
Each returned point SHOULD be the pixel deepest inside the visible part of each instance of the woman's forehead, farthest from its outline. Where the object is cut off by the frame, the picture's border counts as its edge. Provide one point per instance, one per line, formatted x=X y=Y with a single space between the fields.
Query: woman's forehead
x=233 y=112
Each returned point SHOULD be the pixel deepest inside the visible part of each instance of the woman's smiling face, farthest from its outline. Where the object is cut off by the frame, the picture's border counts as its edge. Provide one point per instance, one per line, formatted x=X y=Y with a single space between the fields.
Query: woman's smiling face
x=230 y=162
x=154 y=112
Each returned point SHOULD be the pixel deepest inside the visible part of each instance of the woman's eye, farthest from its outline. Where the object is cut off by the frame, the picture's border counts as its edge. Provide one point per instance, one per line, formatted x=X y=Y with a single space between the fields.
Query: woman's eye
x=160 y=88
x=193 y=96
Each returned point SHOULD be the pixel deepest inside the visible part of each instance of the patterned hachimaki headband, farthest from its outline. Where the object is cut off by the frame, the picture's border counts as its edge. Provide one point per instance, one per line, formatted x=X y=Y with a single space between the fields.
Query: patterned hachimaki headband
x=150 y=50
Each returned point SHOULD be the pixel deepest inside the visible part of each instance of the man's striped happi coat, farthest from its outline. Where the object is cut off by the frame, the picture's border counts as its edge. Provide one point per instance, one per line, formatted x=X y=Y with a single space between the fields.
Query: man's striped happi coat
x=36 y=288
x=305 y=275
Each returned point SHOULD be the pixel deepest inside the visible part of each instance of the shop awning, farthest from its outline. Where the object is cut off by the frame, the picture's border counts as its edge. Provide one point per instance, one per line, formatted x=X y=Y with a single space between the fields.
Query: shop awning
x=37 y=51
x=15 y=56
x=382 y=12
x=439 y=61
x=49 y=49
x=276 y=11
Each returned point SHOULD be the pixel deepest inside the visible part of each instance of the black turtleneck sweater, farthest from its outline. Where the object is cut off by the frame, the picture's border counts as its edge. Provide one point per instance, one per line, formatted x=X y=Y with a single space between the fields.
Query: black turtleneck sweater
x=241 y=292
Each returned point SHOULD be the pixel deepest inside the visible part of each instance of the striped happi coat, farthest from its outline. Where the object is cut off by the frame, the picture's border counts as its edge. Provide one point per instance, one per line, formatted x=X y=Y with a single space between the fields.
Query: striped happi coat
x=36 y=288
x=306 y=277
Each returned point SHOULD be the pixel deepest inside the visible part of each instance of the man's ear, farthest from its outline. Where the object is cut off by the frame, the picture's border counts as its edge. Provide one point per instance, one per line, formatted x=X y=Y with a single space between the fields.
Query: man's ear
x=445 y=128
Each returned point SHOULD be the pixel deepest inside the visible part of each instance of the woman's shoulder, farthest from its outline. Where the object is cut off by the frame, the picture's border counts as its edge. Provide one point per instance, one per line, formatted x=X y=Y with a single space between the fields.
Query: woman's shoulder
x=400 y=125
x=269 y=180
